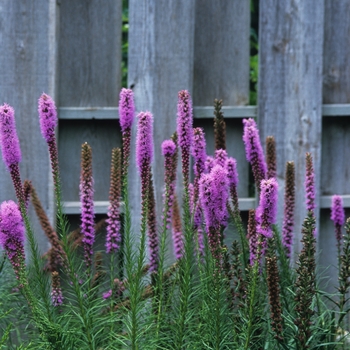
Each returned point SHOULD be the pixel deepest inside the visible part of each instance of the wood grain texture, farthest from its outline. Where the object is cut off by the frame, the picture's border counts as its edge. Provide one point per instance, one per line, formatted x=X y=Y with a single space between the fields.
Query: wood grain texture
x=160 y=64
x=290 y=89
x=221 y=52
x=27 y=68
x=102 y=136
x=90 y=53
x=335 y=176
x=221 y=70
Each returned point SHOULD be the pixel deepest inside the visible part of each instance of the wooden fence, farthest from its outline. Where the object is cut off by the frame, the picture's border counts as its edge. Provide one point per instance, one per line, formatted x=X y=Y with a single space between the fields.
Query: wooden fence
x=72 y=51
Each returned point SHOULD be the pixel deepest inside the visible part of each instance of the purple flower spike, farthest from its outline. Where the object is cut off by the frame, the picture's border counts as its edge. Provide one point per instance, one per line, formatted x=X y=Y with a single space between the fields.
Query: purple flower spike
x=254 y=152
x=87 y=203
x=12 y=235
x=47 y=117
x=213 y=191
x=209 y=163
x=267 y=210
x=126 y=109
x=11 y=152
x=144 y=140
x=56 y=293
x=168 y=148
x=310 y=184
x=221 y=157
x=185 y=132
x=199 y=151
x=232 y=174
x=338 y=216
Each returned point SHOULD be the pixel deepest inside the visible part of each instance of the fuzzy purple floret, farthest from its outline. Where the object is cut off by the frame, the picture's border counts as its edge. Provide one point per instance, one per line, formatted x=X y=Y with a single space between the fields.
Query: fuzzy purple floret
x=12 y=232
x=254 y=151
x=168 y=148
x=47 y=117
x=199 y=151
x=213 y=192
x=267 y=210
x=221 y=157
x=107 y=295
x=337 y=211
x=144 y=140
x=209 y=164
x=11 y=223
x=232 y=173
x=126 y=108
x=87 y=217
x=11 y=152
x=184 y=120
x=57 y=296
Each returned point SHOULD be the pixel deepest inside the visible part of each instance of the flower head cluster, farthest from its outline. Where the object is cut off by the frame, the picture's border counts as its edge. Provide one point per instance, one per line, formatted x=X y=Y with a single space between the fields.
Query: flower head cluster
x=126 y=108
x=289 y=206
x=87 y=203
x=114 y=238
x=56 y=293
x=178 y=239
x=267 y=210
x=198 y=151
x=47 y=117
x=209 y=163
x=144 y=140
x=271 y=157
x=11 y=152
x=12 y=234
x=254 y=150
x=184 y=120
x=219 y=126
x=337 y=215
x=232 y=173
x=310 y=184
x=213 y=191
x=220 y=157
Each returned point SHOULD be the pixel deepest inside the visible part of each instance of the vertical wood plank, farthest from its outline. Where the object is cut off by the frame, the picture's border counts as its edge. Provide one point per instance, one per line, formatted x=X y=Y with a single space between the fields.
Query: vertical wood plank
x=90 y=75
x=221 y=70
x=27 y=68
x=160 y=63
x=290 y=89
x=335 y=176
x=90 y=53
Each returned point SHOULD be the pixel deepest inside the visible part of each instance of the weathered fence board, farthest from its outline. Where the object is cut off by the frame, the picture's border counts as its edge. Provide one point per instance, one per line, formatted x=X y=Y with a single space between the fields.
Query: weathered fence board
x=335 y=176
x=221 y=70
x=89 y=65
x=160 y=63
x=27 y=68
x=290 y=88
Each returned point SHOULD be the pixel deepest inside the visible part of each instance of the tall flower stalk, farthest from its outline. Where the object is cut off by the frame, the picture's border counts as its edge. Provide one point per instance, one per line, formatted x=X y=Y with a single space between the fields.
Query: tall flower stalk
x=87 y=204
x=271 y=160
x=254 y=152
x=114 y=238
x=338 y=218
x=289 y=206
x=126 y=119
x=219 y=126
x=11 y=152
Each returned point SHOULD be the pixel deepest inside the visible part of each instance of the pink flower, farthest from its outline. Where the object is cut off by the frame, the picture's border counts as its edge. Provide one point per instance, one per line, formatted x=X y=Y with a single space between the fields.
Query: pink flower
x=337 y=215
x=144 y=140
x=126 y=109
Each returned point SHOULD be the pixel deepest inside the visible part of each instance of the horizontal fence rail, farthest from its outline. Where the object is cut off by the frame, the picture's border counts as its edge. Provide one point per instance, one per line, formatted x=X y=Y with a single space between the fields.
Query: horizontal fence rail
x=245 y=204
x=328 y=110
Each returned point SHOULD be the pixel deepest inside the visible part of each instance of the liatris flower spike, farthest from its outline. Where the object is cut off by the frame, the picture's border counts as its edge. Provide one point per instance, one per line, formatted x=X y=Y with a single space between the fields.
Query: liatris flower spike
x=199 y=156
x=144 y=141
x=338 y=217
x=232 y=175
x=289 y=205
x=271 y=157
x=56 y=293
x=47 y=117
x=219 y=126
x=126 y=119
x=12 y=236
x=11 y=152
x=185 y=132
x=48 y=122
x=87 y=203
x=168 y=151
x=310 y=184
x=267 y=210
x=254 y=150
x=114 y=238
